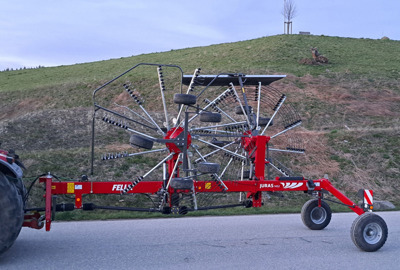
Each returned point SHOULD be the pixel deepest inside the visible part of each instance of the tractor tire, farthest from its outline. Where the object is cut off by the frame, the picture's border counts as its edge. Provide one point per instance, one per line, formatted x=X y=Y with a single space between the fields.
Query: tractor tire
x=139 y=141
x=369 y=232
x=314 y=217
x=185 y=99
x=12 y=192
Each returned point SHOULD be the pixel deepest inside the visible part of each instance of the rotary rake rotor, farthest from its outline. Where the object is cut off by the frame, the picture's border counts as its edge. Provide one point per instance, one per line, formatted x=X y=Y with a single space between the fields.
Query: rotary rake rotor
x=205 y=133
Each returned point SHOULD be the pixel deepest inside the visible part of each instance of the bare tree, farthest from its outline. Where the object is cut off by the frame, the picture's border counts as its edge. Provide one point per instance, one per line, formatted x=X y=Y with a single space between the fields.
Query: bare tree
x=289 y=12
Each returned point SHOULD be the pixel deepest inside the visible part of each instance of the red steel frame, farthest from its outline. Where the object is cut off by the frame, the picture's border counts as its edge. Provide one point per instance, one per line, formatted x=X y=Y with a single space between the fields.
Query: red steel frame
x=255 y=145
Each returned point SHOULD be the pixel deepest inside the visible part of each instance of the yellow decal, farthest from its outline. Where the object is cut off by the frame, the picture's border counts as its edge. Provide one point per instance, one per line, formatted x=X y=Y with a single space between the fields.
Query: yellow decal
x=70 y=187
x=53 y=187
x=208 y=186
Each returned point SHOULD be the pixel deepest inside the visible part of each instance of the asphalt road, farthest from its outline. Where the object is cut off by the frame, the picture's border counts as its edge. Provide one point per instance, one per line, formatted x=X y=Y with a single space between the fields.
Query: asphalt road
x=245 y=242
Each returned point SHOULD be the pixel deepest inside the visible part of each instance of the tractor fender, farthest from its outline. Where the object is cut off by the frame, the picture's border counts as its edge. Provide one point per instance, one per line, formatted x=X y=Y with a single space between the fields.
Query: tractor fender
x=9 y=167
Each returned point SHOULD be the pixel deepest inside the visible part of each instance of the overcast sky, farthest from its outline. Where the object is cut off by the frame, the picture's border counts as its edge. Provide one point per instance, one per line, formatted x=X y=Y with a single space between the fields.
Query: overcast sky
x=65 y=32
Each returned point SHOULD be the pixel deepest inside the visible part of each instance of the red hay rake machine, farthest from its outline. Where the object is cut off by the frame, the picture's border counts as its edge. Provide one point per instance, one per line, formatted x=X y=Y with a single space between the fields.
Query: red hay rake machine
x=220 y=142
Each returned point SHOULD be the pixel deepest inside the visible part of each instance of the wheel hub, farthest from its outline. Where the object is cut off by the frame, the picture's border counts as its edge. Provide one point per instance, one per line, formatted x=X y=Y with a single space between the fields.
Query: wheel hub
x=318 y=215
x=372 y=233
x=177 y=133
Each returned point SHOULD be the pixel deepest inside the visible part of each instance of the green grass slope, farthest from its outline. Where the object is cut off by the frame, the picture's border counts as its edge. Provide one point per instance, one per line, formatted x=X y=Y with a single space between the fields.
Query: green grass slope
x=350 y=106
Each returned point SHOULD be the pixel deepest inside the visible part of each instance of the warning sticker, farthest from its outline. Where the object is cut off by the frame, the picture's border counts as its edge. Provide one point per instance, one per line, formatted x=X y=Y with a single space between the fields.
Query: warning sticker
x=70 y=187
x=208 y=186
x=78 y=186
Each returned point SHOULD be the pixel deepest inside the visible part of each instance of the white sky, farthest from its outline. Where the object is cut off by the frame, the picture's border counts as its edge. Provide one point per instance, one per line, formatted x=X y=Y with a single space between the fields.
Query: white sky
x=64 y=32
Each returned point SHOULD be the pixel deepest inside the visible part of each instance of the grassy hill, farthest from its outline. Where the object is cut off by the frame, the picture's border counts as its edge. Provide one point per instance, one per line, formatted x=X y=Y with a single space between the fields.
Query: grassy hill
x=350 y=106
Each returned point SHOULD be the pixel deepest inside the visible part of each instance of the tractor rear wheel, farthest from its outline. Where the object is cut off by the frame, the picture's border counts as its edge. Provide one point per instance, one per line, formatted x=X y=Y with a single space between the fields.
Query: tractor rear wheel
x=11 y=210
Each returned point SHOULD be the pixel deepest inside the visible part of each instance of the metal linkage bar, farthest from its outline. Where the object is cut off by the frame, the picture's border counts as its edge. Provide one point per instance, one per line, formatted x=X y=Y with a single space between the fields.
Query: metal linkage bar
x=327 y=185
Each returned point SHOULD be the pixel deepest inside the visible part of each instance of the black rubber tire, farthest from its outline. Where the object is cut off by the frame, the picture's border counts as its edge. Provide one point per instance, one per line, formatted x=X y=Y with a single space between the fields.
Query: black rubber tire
x=238 y=110
x=183 y=210
x=11 y=211
x=185 y=99
x=217 y=142
x=181 y=183
x=369 y=232
x=210 y=117
x=263 y=121
x=314 y=217
x=208 y=167
x=141 y=142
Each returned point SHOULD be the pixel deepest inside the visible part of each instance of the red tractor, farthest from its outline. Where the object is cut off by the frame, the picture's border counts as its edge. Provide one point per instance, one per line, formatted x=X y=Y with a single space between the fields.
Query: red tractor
x=221 y=141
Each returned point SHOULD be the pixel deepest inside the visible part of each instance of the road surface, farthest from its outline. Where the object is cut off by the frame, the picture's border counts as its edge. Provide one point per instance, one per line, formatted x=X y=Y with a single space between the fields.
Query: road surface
x=247 y=242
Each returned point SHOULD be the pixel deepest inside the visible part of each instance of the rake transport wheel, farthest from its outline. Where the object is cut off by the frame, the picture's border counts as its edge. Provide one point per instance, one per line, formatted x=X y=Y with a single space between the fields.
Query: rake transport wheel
x=316 y=217
x=11 y=210
x=369 y=232
x=204 y=133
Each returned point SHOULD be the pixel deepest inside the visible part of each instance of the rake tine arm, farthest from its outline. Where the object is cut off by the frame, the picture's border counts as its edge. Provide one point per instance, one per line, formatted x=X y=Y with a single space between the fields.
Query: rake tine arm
x=276 y=110
x=226 y=92
x=190 y=88
x=140 y=102
x=258 y=103
x=140 y=178
x=244 y=110
x=295 y=124
x=133 y=112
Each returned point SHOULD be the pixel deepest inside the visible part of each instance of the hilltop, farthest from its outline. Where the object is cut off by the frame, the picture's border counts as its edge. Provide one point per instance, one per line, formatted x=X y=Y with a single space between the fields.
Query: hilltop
x=350 y=106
